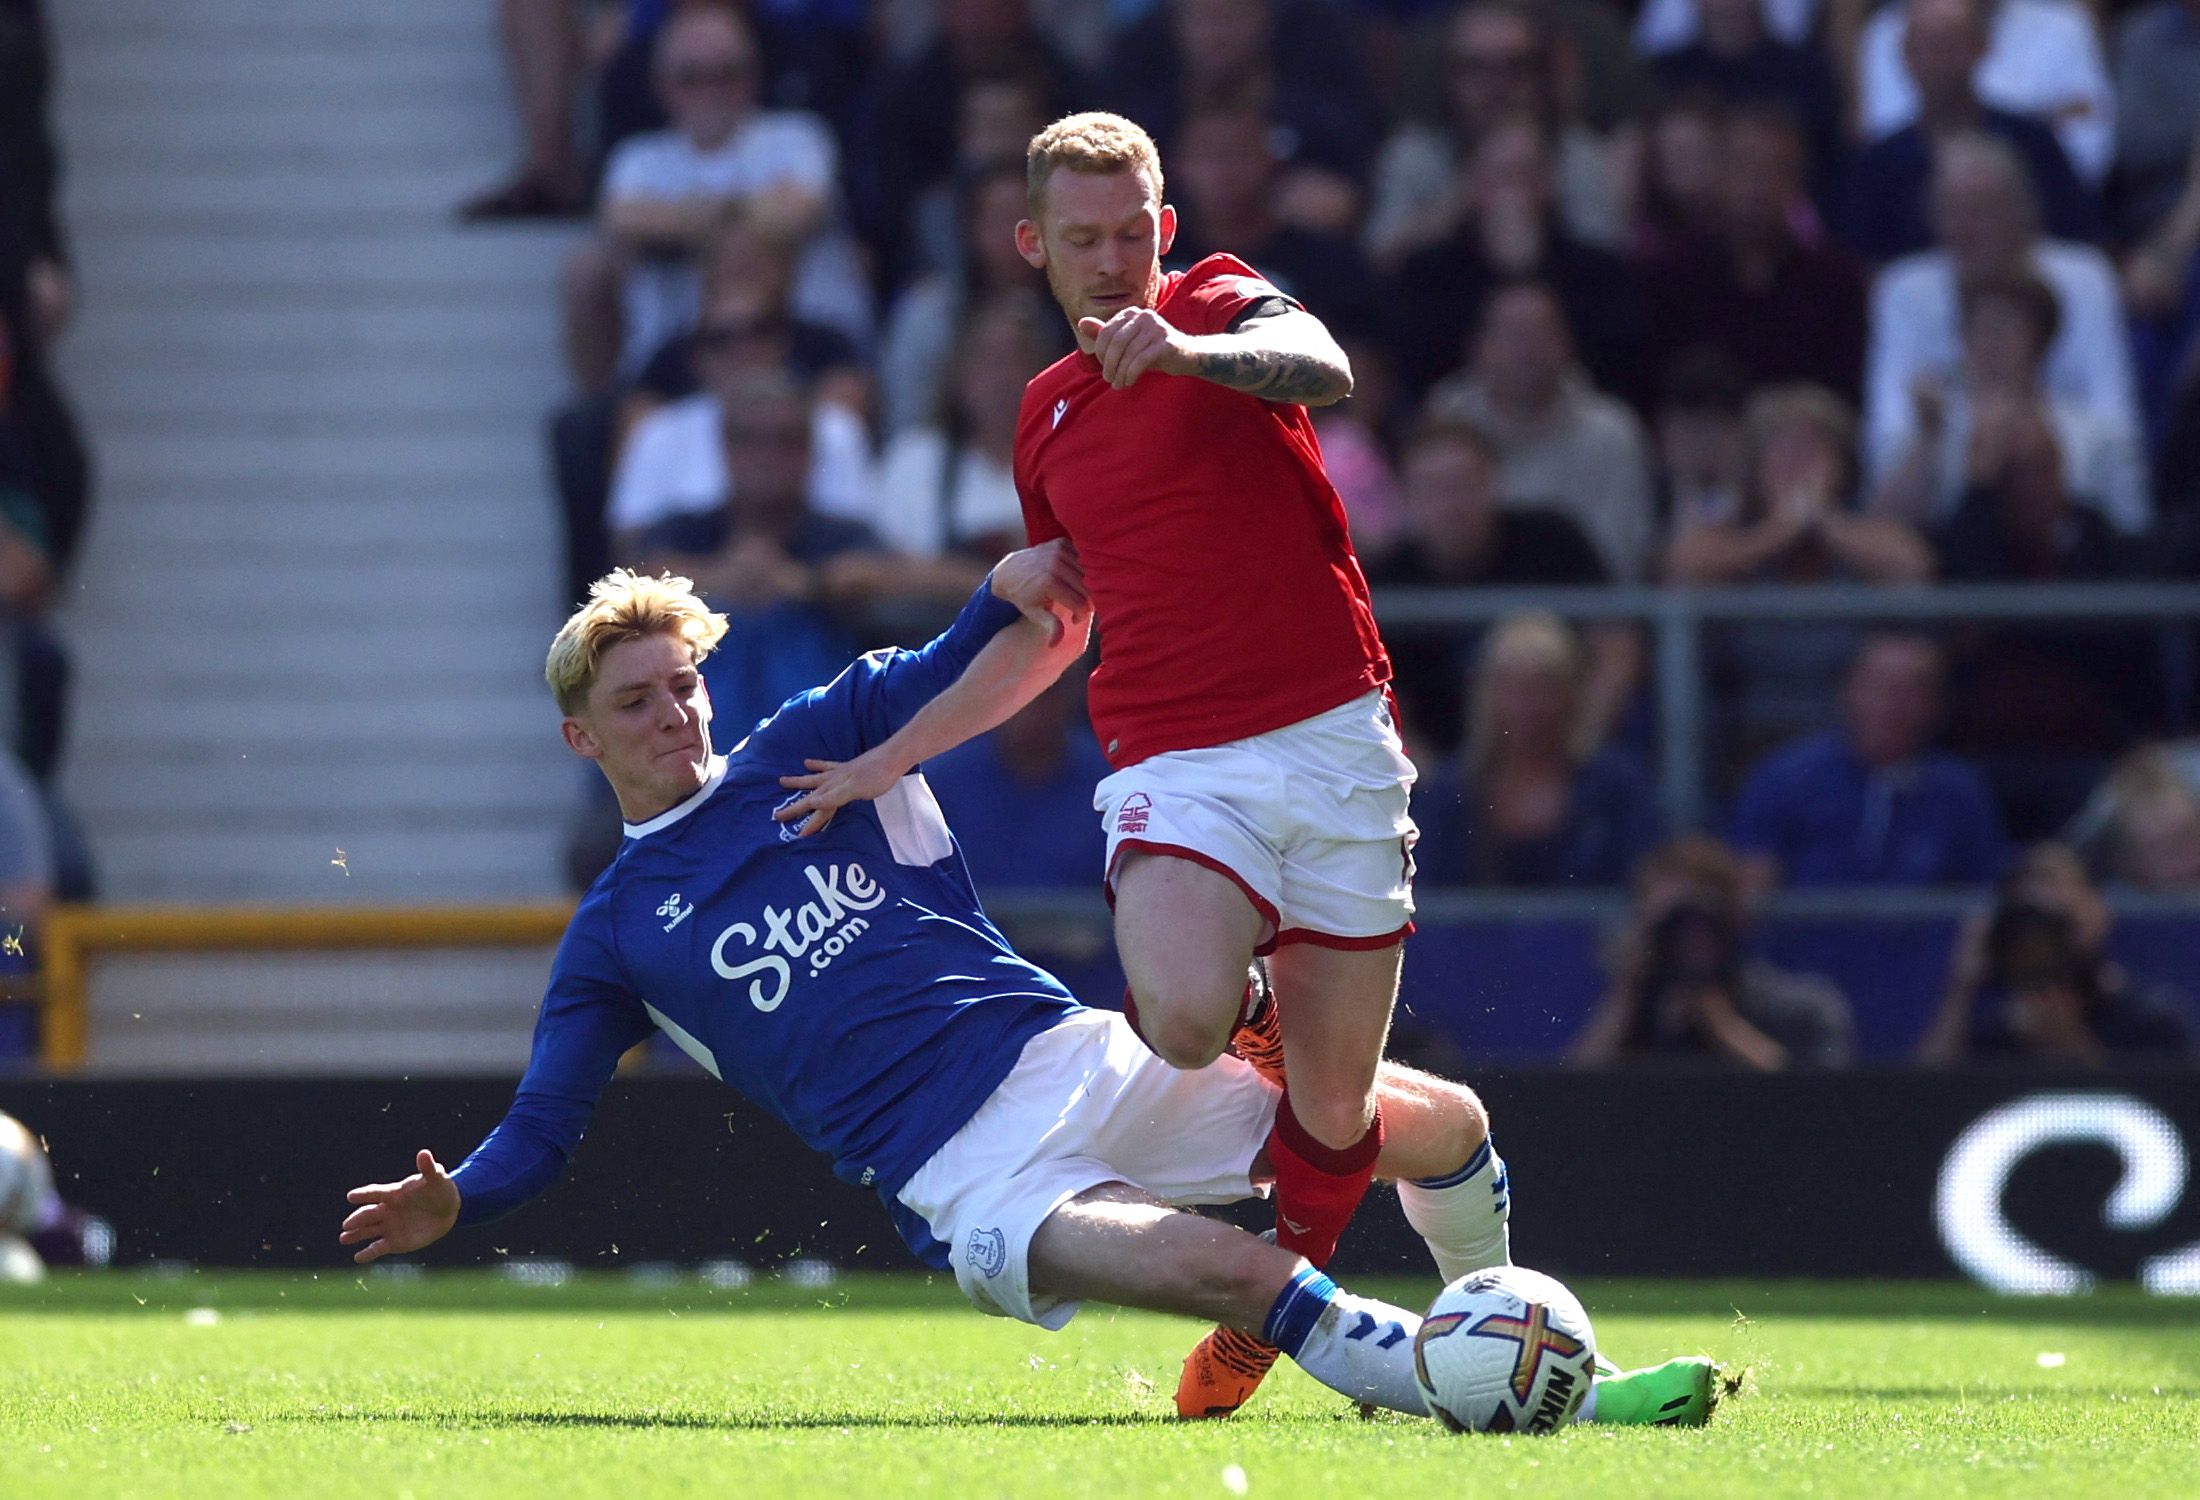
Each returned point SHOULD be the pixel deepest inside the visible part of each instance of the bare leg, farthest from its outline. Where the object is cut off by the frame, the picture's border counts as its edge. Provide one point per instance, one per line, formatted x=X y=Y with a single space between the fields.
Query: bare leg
x=1121 y=1245
x=542 y=49
x=542 y=43
x=1186 y=934
x=593 y=317
x=1117 y=1244
x=1431 y=1126
x=1335 y=1006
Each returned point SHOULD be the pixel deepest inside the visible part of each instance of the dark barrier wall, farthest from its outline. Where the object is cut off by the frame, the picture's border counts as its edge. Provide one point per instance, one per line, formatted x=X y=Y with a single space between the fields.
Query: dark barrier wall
x=1869 y=1174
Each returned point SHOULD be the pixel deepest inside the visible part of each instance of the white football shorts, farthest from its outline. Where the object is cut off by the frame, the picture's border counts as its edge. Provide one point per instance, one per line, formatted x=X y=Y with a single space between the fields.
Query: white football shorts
x=1311 y=821
x=1087 y=1103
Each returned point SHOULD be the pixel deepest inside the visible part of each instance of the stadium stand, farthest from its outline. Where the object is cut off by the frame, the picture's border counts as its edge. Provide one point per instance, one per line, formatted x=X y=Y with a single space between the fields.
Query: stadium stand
x=1621 y=364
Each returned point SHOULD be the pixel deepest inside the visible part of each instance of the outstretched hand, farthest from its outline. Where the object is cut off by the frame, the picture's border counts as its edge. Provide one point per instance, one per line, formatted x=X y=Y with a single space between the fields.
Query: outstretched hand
x=832 y=785
x=395 y=1217
x=1046 y=583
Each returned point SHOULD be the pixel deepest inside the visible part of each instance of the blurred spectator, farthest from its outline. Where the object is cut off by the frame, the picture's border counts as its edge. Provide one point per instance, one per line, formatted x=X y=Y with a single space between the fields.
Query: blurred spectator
x=1676 y=196
x=922 y=329
x=1534 y=800
x=1224 y=175
x=546 y=50
x=816 y=58
x=789 y=578
x=1985 y=225
x=2148 y=818
x=1355 y=438
x=26 y=851
x=2161 y=277
x=1870 y=803
x=1886 y=211
x=1701 y=461
x=2042 y=58
x=672 y=457
x=1736 y=59
x=666 y=193
x=1796 y=522
x=1783 y=307
x=1020 y=798
x=998 y=118
x=945 y=485
x=1295 y=63
x=916 y=118
x=29 y=166
x=1500 y=64
x=1509 y=232
x=2158 y=110
x=1458 y=536
x=2040 y=707
x=1563 y=445
x=747 y=272
x=1962 y=432
x=1684 y=984
x=2016 y=519
x=2034 y=982
x=1663 y=26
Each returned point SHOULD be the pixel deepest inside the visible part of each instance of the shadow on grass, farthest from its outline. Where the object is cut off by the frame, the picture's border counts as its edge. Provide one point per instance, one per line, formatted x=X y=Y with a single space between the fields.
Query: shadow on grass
x=762 y=1422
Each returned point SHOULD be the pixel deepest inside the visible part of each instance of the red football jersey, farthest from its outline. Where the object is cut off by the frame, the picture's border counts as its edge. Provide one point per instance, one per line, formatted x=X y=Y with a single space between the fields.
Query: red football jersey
x=1213 y=544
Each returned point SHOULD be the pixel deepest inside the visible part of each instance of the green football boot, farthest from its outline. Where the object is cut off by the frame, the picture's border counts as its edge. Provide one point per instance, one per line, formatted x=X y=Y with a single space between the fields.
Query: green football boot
x=1681 y=1392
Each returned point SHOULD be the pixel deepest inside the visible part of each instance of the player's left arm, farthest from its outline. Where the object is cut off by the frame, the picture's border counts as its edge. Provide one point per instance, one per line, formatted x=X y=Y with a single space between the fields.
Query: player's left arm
x=1016 y=663
x=1275 y=350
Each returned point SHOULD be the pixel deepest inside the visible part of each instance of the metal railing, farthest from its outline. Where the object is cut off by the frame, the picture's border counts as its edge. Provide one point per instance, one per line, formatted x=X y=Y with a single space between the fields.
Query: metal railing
x=1676 y=617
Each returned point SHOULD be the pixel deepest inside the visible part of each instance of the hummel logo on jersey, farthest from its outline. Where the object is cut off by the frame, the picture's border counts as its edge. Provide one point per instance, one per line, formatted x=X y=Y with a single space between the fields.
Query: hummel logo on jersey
x=673 y=909
x=816 y=931
x=1061 y=409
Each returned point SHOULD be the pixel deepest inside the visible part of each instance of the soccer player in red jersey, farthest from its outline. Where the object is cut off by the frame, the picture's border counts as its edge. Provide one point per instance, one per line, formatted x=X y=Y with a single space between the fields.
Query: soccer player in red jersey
x=1258 y=804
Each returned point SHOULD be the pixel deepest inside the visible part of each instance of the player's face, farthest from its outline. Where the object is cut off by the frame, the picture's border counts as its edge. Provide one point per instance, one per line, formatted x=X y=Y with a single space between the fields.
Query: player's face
x=646 y=723
x=1100 y=238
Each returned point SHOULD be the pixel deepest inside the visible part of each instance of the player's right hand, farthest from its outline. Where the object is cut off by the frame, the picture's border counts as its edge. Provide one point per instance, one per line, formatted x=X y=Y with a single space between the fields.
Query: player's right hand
x=399 y=1216
x=1046 y=583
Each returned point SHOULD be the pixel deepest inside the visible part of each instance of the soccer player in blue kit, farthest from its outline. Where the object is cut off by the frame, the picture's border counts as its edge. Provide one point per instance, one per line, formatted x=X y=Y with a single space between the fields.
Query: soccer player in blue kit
x=840 y=972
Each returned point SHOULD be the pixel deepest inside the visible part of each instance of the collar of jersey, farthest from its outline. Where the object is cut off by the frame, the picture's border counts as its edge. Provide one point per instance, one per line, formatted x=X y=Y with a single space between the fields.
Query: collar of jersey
x=673 y=815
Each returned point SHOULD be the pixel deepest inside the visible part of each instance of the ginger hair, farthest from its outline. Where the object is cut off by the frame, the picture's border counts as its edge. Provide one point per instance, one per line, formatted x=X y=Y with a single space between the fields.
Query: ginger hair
x=1095 y=142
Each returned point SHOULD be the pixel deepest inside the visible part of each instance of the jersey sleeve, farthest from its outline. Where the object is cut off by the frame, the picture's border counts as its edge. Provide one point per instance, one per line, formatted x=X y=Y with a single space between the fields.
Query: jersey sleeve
x=1220 y=293
x=882 y=690
x=589 y=1019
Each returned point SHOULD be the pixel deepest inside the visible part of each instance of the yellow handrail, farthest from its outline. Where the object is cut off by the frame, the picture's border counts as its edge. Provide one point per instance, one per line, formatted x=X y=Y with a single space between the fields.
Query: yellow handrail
x=71 y=934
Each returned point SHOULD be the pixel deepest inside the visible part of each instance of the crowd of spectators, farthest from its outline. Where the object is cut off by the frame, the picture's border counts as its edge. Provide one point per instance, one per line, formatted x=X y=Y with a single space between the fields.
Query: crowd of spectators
x=1716 y=293
x=45 y=487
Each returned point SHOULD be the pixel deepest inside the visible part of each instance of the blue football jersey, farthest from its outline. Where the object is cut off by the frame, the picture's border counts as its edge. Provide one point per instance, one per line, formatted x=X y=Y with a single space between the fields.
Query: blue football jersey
x=849 y=982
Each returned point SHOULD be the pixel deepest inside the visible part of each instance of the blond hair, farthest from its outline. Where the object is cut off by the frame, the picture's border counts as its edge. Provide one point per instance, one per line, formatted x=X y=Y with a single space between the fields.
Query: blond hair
x=625 y=606
x=1540 y=641
x=1095 y=142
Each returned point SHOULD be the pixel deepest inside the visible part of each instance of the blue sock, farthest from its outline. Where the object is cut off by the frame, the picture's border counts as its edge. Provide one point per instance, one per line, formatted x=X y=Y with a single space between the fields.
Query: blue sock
x=1356 y=1346
x=1298 y=1308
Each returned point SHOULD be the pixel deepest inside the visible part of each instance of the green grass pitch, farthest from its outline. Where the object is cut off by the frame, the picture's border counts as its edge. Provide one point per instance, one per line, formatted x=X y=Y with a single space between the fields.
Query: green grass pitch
x=117 y=1385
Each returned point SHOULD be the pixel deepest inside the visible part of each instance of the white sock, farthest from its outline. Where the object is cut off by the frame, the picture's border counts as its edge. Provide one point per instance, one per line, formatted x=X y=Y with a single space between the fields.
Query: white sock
x=1463 y=1215
x=1358 y=1347
x=1587 y=1411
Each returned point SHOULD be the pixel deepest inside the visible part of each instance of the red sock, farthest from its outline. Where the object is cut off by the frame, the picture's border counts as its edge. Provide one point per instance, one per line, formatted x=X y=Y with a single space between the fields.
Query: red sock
x=1317 y=1186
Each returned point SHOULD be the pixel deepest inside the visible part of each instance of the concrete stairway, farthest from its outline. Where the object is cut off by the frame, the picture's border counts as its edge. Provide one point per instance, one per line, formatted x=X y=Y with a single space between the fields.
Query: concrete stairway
x=311 y=613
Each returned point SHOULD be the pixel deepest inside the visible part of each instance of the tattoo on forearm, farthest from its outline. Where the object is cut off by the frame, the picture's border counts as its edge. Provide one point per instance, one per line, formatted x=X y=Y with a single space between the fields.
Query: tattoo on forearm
x=1275 y=374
